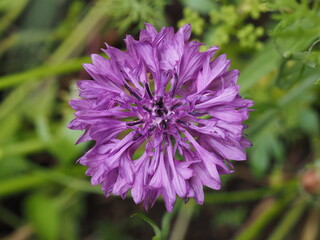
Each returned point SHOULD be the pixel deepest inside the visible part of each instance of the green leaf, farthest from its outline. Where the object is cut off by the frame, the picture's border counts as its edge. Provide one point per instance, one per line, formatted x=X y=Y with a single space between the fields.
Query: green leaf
x=259 y=161
x=309 y=121
x=260 y=155
x=65 y=139
x=296 y=30
x=312 y=59
x=12 y=123
x=44 y=214
x=202 y=6
x=154 y=226
x=259 y=67
x=11 y=167
x=41 y=103
x=70 y=150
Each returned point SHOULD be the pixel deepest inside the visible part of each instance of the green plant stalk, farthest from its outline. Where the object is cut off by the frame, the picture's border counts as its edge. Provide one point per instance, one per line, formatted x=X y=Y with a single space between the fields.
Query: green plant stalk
x=22 y=148
x=12 y=14
x=77 y=39
x=72 y=182
x=237 y=196
x=37 y=178
x=42 y=72
x=252 y=232
x=166 y=220
x=21 y=183
x=154 y=226
x=12 y=102
x=311 y=224
x=183 y=220
x=165 y=225
x=289 y=220
x=161 y=234
x=8 y=42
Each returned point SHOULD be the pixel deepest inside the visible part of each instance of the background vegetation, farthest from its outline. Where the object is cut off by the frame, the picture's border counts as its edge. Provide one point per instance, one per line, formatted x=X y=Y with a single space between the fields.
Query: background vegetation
x=45 y=195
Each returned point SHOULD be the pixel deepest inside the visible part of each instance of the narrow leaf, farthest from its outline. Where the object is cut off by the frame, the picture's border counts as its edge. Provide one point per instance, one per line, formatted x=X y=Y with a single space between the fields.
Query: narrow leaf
x=154 y=226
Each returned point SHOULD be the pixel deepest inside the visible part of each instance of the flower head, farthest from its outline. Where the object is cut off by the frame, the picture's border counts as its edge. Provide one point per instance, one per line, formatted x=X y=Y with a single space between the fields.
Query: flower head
x=165 y=117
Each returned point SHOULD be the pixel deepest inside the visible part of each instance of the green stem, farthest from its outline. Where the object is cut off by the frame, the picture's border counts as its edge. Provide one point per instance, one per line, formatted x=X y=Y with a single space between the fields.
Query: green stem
x=12 y=14
x=22 y=148
x=57 y=176
x=237 y=196
x=289 y=220
x=154 y=226
x=21 y=183
x=166 y=220
x=72 y=182
x=252 y=232
x=42 y=72
x=246 y=196
x=77 y=39
x=183 y=220
x=311 y=224
x=38 y=178
x=13 y=102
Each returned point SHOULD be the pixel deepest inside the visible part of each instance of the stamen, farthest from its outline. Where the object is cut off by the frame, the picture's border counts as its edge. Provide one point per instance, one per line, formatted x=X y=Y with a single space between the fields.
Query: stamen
x=152 y=128
x=136 y=136
x=134 y=123
x=147 y=87
x=159 y=112
x=132 y=92
x=175 y=83
x=176 y=105
x=159 y=103
x=147 y=109
x=196 y=114
x=166 y=137
x=183 y=122
x=163 y=123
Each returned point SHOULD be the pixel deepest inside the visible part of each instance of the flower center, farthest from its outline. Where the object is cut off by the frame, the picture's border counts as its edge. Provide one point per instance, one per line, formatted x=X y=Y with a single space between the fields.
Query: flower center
x=160 y=115
x=156 y=112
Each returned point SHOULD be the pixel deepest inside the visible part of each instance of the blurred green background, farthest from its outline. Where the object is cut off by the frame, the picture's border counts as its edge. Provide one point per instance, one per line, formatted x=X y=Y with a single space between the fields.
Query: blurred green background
x=44 y=194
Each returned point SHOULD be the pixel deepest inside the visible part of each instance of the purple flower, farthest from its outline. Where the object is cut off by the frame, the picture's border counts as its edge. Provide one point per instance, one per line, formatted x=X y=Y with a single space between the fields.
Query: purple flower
x=165 y=117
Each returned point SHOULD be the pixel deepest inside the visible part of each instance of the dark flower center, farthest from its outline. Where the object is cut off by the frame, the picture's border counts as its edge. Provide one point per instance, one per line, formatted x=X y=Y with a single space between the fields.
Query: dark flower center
x=156 y=112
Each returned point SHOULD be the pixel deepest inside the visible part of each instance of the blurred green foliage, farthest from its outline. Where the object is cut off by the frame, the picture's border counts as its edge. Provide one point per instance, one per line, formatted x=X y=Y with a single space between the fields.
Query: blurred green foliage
x=274 y=44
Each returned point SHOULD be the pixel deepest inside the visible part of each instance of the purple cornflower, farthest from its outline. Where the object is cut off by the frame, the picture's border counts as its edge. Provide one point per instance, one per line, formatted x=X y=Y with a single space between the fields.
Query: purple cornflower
x=165 y=117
